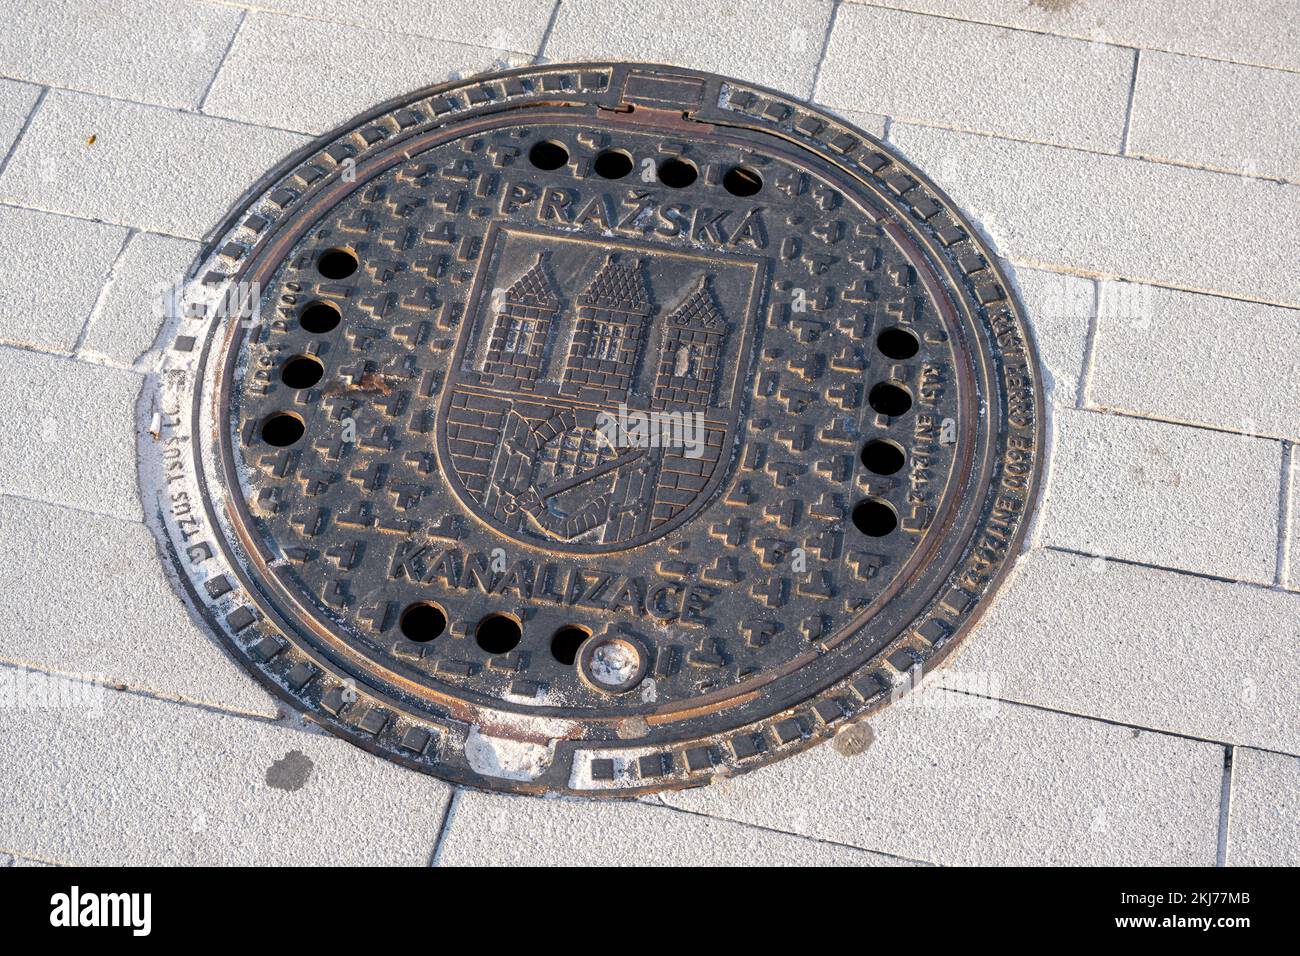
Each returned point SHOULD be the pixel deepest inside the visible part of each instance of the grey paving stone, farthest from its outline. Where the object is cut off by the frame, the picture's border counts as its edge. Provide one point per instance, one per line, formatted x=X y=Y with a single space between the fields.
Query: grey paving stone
x=16 y=102
x=129 y=313
x=157 y=169
x=152 y=51
x=1291 y=545
x=69 y=433
x=1264 y=821
x=1255 y=31
x=1198 y=359
x=7 y=859
x=1014 y=83
x=1118 y=216
x=1166 y=495
x=872 y=123
x=139 y=781
x=1220 y=115
x=1060 y=309
x=1147 y=647
x=959 y=780
x=494 y=830
x=54 y=269
x=325 y=73
x=85 y=594
x=502 y=25
x=774 y=42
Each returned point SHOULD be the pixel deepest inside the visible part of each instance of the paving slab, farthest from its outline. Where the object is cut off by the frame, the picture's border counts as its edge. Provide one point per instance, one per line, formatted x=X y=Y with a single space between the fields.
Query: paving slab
x=69 y=438
x=1141 y=646
x=774 y=43
x=1064 y=209
x=16 y=103
x=1291 y=543
x=501 y=25
x=496 y=830
x=157 y=169
x=1264 y=821
x=958 y=780
x=130 y=311
x=1013 y=83
x=1201 y=359
x=1165 y=495
x=86 y=594
x=1220 y=115
x=325 y=73
x=872 y=123
x=54 y=269
x=1061 y=309
x=152 y=51
x=121 y=779
x=7 y=859
x=1265 y=32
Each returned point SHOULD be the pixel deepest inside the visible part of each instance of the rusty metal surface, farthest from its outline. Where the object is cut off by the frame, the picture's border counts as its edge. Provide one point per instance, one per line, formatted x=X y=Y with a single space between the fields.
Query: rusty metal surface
x=594 y=428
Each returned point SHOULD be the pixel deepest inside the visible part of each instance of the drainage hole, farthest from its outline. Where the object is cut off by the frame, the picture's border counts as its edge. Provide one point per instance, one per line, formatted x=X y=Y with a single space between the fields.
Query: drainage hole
x=898 y=343
x=498 y=634
x=889 y=399
x=566 y=641
x=677 y=173
x=422 y=621
x=874 y=518
x=301 y=371
x=548 y=155
x=282 y=429
x=742 y=181
x=612 y=164
x=882 y=457
x=319 y=318
x=336 y=263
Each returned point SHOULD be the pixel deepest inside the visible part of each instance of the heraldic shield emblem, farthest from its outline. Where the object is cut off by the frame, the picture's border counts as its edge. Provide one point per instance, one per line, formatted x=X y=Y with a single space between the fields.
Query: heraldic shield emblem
x=597 y=388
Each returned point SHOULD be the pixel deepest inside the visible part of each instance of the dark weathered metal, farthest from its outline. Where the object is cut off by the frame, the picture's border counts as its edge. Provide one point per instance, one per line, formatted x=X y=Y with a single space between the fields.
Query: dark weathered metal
x=594 y=428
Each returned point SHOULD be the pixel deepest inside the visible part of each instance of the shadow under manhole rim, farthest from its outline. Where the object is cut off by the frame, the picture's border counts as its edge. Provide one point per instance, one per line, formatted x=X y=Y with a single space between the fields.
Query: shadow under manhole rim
x=593 y=428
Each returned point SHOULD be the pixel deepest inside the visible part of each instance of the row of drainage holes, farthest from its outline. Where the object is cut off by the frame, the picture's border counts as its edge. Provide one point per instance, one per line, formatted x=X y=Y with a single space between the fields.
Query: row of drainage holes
x=303 y=371
x=496 y=633
x=873 y=517
x=887 y=398
x=675 y=172
x=319 y=317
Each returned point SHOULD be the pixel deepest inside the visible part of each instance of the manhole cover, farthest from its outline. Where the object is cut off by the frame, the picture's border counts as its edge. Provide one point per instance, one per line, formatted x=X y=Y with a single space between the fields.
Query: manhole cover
x=593 y=428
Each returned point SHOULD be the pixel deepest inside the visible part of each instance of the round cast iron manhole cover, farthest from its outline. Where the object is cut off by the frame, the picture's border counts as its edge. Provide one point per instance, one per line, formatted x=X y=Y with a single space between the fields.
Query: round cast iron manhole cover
x=593 y=428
